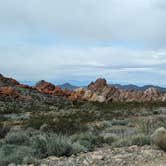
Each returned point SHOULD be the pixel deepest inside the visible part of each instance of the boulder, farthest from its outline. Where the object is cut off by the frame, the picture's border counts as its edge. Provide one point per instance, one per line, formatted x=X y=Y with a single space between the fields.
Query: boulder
x=159 y=138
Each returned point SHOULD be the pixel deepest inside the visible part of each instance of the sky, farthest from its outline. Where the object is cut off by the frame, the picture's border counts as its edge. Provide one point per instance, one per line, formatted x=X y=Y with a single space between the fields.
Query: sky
x=78 y=41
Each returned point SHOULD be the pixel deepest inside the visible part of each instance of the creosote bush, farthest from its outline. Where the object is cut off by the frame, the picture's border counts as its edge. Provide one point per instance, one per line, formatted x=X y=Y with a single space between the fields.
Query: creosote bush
x=17 y=138
x=21 y=147
x=59 y=145
x=138 y=139
x=88 y=140
x=3 y=130
x=15 y=154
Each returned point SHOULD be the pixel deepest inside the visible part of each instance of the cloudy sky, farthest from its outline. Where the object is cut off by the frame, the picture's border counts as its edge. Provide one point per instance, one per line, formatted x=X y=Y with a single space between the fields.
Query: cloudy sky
x=77 y=41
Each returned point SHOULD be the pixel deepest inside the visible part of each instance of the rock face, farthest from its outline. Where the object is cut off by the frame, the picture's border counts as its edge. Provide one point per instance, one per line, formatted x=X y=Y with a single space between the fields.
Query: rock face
x=100 y=83
x=44 y=86
x=9 y=91
x=152 y=94
x=159 y=138
x=77 y=94
x=49 y=88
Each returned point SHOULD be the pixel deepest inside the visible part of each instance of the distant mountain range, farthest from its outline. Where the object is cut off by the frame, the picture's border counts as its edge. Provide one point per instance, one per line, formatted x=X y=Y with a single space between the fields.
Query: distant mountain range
x=68 y=86
x=135 y=87
x=130 y=86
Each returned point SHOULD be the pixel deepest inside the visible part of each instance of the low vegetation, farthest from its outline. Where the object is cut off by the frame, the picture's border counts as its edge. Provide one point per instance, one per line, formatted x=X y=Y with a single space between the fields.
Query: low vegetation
x=32 y=131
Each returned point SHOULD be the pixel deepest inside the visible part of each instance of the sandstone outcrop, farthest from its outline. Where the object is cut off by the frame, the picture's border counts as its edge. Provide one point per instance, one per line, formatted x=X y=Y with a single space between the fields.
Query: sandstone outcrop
x=77 y=94
x=99 y=84
x=9 y=91
x=44 y=86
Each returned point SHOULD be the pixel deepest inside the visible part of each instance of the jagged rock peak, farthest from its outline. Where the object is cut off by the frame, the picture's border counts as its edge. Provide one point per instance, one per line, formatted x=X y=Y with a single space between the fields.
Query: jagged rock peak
x=100 y=83
x=44 y=85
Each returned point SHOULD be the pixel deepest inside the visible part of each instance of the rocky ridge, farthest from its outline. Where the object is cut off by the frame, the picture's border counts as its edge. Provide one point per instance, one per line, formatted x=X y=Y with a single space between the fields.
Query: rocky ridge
x=96 y=91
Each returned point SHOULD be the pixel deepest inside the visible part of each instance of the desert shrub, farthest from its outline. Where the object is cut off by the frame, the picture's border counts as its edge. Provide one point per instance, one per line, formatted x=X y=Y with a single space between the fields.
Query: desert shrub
x=122 y=122
x=44 y=128
x=109 y=138
x=62 y=123
x=146 y=126
x=14 y=148
x=59 y=145
x=17 y=138
x=14 y=154
x=99 y=125
x=107 y=124
x=139 y=139
x=39 y=145
x=77 y=148
x=87 y=139
x=3 y=130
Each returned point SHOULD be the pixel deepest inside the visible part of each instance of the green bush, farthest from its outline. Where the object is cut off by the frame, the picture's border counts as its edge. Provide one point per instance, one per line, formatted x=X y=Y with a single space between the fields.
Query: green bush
x=17 y=138
x=15 y=154
x=139 y=139
x=119 y=122
x=59 y=145
x=87 y=139
x=77 y=148
x=109 y=138
x=3 y=130
x=39 y=146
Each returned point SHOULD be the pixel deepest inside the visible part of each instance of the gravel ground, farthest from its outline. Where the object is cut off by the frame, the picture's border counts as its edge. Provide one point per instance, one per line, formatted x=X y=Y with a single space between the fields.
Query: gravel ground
x=127 y=156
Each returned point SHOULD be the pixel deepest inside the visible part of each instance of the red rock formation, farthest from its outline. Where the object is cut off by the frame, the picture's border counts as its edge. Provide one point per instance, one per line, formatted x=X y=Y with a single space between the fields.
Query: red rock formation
x=47 y=87
x=77 y=94
x=96 y=91
x=9 y=91
x=100 y=83
x=67 y=92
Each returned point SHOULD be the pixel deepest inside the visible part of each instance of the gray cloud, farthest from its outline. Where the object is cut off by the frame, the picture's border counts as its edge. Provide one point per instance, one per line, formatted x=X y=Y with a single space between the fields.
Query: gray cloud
x=130 y=20
x=63 y=63
x=129 y=23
